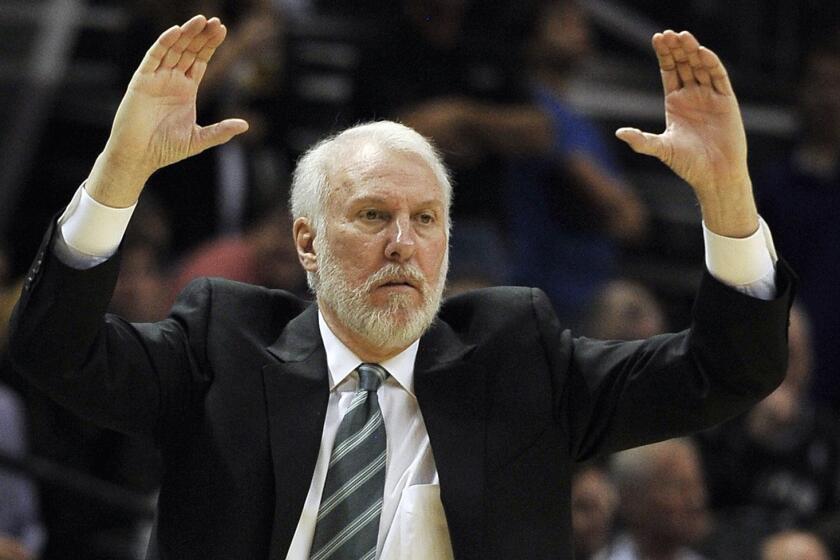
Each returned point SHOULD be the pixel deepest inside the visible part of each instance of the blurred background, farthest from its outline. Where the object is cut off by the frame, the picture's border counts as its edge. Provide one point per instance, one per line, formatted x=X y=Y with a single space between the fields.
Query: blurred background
x=522 y=97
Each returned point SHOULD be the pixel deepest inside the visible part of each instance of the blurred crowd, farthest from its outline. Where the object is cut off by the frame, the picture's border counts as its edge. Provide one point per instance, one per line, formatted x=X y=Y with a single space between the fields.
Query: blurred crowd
x=541 y=200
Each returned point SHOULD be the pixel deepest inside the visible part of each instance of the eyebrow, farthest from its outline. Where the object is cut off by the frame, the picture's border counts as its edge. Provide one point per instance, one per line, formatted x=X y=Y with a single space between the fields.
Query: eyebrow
x=375 y=199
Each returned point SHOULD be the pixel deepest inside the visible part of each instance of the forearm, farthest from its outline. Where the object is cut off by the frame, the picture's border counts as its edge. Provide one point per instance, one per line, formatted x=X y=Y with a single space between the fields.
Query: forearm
x=510 y=129
x=623 y=215
x=55 y=294
x=103 y=368
x=463 y=125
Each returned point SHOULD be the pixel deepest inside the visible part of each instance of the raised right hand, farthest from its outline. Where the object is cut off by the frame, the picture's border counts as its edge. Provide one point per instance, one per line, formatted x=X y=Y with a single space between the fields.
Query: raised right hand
x=155 y=124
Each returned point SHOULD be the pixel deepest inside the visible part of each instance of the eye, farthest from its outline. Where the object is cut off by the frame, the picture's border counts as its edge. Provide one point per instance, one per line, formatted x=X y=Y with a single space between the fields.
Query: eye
x=426 y=218
x=372 y=215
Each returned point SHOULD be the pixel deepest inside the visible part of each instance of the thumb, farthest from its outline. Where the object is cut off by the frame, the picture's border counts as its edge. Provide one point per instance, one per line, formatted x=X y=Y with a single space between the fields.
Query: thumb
x=215 y=134
x=643 y=142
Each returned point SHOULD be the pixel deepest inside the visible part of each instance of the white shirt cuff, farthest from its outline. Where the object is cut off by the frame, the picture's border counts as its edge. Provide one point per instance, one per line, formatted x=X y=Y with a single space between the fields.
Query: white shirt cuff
x=747 y=264
x=90 y=232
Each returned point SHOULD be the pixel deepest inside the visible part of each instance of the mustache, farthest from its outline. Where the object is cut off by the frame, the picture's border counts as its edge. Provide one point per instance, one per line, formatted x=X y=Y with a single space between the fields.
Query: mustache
x=396 y=273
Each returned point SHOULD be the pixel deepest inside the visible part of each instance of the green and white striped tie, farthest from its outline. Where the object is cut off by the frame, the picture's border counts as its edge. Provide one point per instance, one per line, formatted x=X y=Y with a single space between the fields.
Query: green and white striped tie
x=348 y=518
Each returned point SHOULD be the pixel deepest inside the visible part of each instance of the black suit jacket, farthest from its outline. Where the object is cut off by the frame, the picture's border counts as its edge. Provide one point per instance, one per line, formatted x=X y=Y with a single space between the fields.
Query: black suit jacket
x=234 y=387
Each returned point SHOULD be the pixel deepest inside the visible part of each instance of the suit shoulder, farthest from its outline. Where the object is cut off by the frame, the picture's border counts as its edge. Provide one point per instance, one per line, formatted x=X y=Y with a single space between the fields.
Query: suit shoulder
x=240 y=299
x=497 y=307
x=507 y=296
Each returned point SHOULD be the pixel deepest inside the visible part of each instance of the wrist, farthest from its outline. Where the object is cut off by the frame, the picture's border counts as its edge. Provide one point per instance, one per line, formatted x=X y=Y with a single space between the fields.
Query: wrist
x=732 y=213
x=114 y=181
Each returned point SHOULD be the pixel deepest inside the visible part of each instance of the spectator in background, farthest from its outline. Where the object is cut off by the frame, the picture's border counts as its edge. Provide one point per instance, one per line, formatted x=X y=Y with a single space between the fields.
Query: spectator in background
x=77 y=526
x=453 y=71
x=594 y=505
x=473 y=269
x=5 y=265
x=579 y=207
x=9 y=290
x=142 y=290
x=223 y=191
x=264 y=255
x=800 y=198
x=21 y=532
x=80 y=527
x=624 y=310
x=777 y=466
x=663 y=503
x=793 y=545
x=202 y=436
x=248 y=79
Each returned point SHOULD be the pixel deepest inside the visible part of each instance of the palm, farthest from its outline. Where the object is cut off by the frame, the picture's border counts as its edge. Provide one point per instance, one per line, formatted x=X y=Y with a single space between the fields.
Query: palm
x=704 y=140
x=169 y=120
x=156 y=124
x=705 y=137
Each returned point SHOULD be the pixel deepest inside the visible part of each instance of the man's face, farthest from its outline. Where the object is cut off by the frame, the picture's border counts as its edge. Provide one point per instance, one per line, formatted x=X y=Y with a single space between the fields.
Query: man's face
x=562 y=37
x=382 y=252
x=676 y=497
x=593 y=507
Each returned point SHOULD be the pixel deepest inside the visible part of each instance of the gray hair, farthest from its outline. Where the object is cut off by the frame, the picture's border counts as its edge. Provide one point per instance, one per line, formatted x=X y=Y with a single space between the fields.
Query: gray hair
x=310 y=181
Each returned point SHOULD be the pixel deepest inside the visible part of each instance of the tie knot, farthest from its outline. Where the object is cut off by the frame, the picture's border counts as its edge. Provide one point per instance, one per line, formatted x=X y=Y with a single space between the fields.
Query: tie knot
x=371 y=376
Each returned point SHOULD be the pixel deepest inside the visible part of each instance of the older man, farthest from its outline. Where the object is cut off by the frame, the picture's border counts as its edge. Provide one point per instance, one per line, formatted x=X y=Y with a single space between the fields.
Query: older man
x=374 y=424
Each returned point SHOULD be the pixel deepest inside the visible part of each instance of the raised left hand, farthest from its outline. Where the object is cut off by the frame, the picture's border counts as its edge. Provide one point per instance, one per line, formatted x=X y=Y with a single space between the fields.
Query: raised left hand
x=704 y=140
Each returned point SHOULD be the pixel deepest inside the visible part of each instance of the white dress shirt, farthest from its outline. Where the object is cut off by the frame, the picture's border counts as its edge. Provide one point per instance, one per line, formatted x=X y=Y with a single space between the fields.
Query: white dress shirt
x=409 y=456
x=412 y=517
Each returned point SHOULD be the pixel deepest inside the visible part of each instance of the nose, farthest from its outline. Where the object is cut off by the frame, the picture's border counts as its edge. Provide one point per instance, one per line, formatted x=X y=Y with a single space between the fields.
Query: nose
x=401 y=242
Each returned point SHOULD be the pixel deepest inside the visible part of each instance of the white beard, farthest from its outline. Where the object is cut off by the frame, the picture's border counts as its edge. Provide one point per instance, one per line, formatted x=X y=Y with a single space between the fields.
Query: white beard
x=393 y=326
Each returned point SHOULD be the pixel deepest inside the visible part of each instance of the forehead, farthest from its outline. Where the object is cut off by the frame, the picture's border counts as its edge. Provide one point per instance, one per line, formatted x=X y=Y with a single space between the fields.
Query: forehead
x=368 y=171
x=675 y=460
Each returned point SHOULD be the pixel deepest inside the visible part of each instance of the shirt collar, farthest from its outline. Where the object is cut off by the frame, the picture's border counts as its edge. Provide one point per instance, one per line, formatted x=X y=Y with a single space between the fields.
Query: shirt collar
x=341 y=361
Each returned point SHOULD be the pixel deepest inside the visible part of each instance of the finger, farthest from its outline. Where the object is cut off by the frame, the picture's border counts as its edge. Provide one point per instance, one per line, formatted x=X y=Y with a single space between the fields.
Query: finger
x=643 y=142
x=199 y=66
x=716 y=70
x=188 y=31
x=198 y=42
x=690 y=47
x=215 y=134
x=702 y=76
x=156 y=52
x=667 y=66
x=674 y=43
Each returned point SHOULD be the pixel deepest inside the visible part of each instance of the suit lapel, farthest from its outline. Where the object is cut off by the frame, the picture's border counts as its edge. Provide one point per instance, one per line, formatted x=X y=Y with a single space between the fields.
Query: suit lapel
x=297 y=392
x=452 y=399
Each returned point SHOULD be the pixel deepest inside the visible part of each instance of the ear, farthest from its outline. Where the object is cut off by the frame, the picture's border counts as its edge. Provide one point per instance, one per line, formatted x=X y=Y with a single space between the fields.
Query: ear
x=304 y=236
